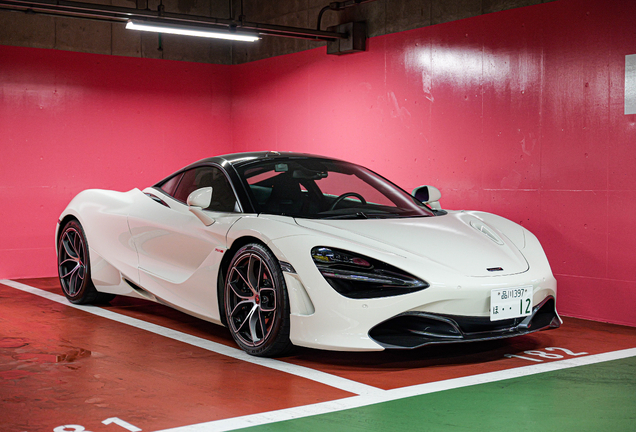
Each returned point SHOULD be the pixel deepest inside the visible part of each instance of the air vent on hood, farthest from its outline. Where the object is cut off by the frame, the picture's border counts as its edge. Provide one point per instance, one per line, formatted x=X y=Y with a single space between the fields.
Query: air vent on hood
x=485 y=230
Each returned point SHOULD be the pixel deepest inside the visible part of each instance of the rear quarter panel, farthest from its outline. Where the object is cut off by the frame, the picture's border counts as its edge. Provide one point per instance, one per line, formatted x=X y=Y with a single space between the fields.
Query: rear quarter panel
x=104 y=218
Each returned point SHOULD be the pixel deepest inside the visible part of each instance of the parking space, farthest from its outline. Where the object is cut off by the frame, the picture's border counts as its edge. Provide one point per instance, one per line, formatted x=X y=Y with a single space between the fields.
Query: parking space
x=136 y=365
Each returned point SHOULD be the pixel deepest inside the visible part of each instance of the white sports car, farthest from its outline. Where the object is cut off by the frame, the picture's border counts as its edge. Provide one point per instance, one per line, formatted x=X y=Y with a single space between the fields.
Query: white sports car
x=292 y=249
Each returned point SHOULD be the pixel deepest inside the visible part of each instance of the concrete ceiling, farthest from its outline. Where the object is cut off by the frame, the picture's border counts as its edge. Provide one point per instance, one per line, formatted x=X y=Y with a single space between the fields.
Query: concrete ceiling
x=381 y=16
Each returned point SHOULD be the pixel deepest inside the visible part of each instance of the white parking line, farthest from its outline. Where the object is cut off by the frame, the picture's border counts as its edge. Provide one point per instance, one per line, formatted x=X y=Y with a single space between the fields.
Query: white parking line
x=367 y=395
x=400 y=393
x=301 y=371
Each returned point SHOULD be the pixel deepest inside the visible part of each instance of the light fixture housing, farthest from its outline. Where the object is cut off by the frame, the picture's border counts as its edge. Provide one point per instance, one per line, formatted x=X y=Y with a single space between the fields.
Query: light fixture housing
x=191 y=31
x=361 y=277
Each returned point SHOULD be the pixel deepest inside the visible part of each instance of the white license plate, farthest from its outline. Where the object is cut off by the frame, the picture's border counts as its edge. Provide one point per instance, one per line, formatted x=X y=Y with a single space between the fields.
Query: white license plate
x=508 y=303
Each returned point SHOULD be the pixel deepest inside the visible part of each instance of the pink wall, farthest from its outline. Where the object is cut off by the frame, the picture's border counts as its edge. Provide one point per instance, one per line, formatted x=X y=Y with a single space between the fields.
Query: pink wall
x=72 y=121
x=519 y=113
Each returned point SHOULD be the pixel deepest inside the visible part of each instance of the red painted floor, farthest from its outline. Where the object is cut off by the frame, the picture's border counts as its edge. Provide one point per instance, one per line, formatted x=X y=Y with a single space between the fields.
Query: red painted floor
x=63 y=366
x=394 y=369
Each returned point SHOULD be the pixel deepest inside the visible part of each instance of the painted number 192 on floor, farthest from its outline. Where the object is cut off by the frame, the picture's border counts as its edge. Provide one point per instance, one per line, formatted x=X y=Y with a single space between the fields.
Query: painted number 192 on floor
x=508 y=303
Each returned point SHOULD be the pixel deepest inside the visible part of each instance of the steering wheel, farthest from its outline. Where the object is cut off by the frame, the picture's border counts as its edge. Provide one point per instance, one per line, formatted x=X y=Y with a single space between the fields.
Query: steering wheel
x=345 y=195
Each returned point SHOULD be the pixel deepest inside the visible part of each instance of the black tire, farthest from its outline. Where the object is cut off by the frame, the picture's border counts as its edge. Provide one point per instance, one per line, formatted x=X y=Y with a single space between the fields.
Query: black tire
x=256 y=303
x=73 y=266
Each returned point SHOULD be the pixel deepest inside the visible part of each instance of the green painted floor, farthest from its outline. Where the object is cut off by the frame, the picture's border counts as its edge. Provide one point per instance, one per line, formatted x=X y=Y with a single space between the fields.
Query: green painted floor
x=599 y=397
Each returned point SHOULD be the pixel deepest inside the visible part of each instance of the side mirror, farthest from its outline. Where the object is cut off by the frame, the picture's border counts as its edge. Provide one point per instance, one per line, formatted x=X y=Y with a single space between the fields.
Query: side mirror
x=428 y=195
x=200 y=198
x=197 y=201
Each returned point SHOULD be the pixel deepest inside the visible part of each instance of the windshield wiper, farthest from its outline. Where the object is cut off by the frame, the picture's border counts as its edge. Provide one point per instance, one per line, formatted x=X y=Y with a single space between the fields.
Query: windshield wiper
x=358 y=215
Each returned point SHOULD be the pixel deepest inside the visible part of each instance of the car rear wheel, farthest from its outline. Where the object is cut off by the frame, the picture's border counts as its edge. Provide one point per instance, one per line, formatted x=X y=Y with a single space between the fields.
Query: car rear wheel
x=74 y=267
x=256 y=303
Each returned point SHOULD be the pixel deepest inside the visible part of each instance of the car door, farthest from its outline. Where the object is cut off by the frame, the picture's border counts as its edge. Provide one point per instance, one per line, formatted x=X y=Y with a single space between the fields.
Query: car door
x=179 y=256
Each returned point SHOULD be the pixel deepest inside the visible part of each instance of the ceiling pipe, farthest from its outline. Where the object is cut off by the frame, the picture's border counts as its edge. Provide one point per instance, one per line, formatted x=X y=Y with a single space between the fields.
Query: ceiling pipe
x=338 y=6
x=119 y=14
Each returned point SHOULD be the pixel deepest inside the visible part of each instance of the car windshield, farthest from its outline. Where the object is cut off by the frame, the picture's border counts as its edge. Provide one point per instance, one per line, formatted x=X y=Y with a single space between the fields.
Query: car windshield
x=325 y=189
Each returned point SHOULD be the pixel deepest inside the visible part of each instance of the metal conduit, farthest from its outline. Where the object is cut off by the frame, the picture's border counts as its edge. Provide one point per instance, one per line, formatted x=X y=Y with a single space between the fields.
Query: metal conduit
x=119 y=14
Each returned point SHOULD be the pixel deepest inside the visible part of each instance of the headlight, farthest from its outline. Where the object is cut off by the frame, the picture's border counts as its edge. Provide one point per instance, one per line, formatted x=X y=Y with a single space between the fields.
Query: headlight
x=357 y=276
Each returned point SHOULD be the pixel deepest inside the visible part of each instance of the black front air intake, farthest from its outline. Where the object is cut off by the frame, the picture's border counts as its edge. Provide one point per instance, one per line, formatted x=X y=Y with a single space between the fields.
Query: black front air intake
x=416 y=329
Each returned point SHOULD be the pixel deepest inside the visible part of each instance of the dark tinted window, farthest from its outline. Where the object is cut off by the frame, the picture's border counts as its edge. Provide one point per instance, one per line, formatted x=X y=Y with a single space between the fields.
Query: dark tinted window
x=321 y=188
x=170 y=185
x=223 y=198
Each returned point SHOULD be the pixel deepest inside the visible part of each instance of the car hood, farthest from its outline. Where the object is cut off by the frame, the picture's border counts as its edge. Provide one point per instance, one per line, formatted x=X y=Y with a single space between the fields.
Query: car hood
x=458 y=241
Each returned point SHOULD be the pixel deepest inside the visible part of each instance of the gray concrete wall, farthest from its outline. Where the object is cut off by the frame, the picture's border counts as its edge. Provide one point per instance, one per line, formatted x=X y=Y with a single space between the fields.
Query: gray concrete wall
x=382 y=17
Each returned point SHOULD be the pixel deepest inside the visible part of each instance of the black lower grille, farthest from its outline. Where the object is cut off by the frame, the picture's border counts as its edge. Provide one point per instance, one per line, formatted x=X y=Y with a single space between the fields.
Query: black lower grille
x=415 y=329
x=482 y=324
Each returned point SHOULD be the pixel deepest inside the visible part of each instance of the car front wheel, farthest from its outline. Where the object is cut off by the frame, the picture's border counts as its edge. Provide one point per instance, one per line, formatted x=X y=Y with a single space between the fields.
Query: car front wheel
x=256 y=303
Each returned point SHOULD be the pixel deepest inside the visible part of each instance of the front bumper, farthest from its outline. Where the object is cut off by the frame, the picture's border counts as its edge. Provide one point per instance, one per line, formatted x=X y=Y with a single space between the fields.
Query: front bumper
x=415 y=329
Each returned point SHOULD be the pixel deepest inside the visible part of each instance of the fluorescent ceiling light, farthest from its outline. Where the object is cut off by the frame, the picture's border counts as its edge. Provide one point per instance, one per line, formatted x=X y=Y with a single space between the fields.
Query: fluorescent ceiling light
x=190 y=31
